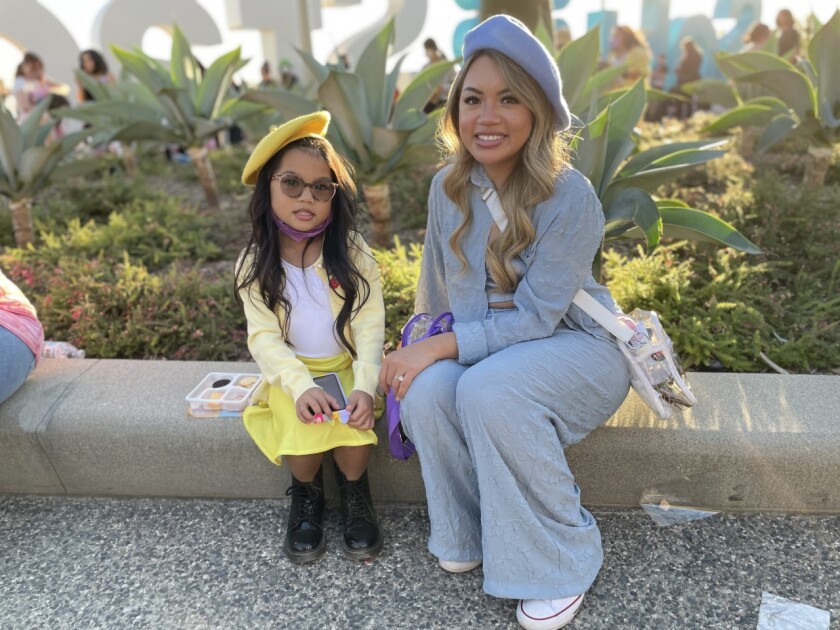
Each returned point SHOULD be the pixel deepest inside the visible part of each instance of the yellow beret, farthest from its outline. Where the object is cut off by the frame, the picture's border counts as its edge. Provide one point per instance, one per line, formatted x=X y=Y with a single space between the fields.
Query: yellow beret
x=301 y=127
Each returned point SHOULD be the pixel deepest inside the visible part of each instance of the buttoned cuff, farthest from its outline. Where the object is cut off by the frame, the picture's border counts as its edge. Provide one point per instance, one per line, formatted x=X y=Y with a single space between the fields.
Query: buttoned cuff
x=472 y=342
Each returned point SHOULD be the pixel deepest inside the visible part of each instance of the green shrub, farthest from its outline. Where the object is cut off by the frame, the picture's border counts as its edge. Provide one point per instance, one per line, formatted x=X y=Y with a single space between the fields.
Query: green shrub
x=409 y=196
x=155 y=233
x=701 y=302
x=90 y=198
x=400 y=271
x=725 y=307
x=123 y=311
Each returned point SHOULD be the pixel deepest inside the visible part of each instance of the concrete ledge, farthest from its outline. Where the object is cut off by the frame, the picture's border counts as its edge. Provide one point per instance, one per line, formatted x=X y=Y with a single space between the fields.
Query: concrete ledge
x=114 y=427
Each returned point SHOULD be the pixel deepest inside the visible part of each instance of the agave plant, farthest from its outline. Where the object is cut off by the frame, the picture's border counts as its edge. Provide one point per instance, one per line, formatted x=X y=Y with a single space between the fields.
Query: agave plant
x=378 y=134
x=29 y=162
x=605 y=151
x=801 y=100
x=181 y=104
x=584 y=83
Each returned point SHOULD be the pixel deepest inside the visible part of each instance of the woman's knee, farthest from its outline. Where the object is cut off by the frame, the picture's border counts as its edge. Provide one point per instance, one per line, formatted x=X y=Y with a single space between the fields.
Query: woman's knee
x=431 y=395
x=485 y=394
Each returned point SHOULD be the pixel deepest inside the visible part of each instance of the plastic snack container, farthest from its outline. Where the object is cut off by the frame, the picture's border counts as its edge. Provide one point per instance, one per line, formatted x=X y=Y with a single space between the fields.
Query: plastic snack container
x=224 y=391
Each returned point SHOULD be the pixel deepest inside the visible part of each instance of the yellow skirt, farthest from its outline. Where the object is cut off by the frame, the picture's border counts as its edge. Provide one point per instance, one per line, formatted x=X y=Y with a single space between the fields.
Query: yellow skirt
x=277 y=431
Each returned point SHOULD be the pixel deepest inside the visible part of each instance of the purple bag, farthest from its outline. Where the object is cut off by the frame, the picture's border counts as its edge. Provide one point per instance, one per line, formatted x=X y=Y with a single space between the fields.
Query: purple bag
x=421 y=326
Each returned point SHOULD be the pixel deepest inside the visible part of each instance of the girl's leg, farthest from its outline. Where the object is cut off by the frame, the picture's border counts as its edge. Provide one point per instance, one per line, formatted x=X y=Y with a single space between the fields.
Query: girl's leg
x=520 y=408
x=362 y=537
x=352 y=460
x=305 y=540
x=430 y=419
x=304 y=467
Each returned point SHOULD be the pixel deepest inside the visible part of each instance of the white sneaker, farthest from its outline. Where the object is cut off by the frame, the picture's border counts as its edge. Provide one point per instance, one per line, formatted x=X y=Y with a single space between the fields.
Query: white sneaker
x=453 y=566
x=547 y=614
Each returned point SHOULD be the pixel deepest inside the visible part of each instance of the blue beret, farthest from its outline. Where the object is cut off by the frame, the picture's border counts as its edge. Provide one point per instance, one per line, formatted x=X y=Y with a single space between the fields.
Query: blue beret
x=512 y=38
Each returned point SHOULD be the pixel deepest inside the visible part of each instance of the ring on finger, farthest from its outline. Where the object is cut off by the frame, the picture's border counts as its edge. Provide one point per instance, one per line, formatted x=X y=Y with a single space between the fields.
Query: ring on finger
x=400 y=377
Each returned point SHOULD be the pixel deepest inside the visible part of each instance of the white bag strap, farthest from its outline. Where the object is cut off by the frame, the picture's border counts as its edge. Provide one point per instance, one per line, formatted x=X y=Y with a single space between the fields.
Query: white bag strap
x=582 y=299
x=603 y=316
x=492 y=200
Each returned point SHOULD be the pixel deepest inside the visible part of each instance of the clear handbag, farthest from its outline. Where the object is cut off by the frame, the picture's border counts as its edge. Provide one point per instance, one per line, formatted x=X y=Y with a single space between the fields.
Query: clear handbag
x=655 y=370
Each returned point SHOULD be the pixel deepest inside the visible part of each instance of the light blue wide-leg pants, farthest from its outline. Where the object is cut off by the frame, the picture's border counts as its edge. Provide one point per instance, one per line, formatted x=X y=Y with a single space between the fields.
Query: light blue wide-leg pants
x=491 y=440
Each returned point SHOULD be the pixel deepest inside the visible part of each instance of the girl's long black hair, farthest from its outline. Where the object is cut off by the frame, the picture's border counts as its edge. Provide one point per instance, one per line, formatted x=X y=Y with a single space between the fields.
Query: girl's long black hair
x=264 y=242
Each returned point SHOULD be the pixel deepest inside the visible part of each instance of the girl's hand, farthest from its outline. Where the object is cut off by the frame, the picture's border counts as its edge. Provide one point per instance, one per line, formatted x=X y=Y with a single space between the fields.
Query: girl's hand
x=360 y=406
x=314 y=401
x=401 y=366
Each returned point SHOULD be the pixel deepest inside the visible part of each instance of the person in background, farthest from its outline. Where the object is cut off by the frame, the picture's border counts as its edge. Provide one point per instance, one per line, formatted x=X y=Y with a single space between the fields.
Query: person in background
x=687 y=70
x=438 y=97
x=21 y=337
x=756 y=38
x=312 y=295
x=57 y=101
x=288 y=78
x=656 y=109
x=31 y=84
x=267 y=80
x=93 y=64
x=659 y=72
x=788 y=38
x=630 y=48
x=493 y=405
x=562 y=36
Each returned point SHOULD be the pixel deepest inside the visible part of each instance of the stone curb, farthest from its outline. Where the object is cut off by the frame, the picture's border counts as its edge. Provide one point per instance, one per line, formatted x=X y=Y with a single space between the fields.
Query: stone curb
x=117 y=427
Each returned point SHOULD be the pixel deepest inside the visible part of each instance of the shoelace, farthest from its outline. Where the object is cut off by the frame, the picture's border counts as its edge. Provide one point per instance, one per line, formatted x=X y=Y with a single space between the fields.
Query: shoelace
x=355 y=502
x=307 y=504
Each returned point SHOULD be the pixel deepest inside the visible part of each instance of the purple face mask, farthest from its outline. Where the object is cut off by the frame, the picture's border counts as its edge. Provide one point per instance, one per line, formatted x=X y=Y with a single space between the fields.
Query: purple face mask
x=297 y=235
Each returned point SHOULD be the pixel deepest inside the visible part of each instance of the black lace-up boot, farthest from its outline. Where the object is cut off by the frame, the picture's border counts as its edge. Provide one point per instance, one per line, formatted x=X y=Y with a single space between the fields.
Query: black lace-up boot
x=305 y=540
x=362 y=537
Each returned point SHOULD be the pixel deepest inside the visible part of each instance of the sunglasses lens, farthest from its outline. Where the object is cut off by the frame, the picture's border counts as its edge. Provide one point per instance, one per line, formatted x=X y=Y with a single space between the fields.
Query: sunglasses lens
x=292 y=186
x=323 y=189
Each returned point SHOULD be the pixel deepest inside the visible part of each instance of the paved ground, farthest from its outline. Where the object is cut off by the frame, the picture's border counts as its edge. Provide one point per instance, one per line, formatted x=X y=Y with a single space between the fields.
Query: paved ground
x=149 y=563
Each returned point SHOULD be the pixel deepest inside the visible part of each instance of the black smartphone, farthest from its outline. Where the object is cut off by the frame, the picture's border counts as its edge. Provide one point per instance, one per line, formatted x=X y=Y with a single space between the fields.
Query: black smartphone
x=330 y=384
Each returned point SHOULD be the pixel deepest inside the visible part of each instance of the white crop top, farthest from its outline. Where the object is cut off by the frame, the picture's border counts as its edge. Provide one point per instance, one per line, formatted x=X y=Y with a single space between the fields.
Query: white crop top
x=311 y=325
x=494 y=293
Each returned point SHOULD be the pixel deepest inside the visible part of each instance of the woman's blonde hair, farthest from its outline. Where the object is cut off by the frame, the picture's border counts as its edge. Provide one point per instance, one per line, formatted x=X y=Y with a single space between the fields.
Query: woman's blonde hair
x=543 y=157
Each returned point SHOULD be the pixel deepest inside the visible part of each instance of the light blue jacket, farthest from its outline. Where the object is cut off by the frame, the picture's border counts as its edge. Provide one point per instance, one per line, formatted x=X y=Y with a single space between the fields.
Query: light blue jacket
x=569 y=229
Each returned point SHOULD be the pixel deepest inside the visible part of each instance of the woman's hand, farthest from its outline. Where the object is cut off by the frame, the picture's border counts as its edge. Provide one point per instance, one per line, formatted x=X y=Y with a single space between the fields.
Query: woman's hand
x=360 y=406
x=401 y=366
x=314 y=401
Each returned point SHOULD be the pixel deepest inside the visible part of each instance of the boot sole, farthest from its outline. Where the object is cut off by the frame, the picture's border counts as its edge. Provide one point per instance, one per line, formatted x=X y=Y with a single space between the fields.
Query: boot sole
x=363 y=554
x=302 y=557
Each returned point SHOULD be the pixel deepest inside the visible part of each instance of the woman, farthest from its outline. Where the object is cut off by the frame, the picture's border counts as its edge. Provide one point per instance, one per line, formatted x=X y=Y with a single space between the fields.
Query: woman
x=789 y=40
x=687 y=70
x=93 y=64
x=31 y=84
x=629 y=48
x=492 y=406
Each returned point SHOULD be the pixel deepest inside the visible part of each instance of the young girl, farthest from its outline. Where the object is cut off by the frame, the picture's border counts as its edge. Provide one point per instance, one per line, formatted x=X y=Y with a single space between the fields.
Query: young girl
x=313 y=301
x=493 y=405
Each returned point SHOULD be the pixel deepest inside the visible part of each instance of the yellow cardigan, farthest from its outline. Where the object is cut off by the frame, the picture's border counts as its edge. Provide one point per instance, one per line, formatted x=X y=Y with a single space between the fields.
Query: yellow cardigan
x=278 y=363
